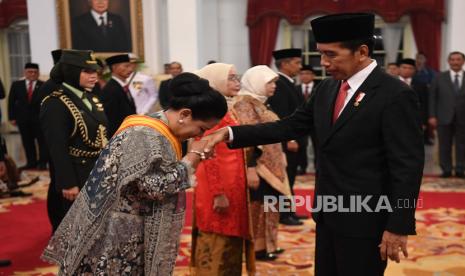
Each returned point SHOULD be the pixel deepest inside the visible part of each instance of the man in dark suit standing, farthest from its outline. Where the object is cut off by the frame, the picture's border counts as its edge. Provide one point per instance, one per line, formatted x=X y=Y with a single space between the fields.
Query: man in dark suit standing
x=406 y=74
x=116 y=97
x=164 y=91
x=306 y=87
x=21 y=114
x=100 y=30
x=370 y=149
x=284 y=102
x=447 y=114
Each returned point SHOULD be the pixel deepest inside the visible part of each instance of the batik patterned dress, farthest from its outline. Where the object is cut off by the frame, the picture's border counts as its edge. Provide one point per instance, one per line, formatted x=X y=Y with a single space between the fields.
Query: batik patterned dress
x=128 y=217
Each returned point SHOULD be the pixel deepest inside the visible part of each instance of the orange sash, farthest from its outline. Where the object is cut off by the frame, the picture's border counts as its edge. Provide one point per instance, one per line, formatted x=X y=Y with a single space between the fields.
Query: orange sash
x=159 y=125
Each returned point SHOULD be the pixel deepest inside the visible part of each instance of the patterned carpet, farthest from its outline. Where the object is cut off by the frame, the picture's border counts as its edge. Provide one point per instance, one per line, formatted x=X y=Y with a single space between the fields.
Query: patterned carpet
x=437 y=250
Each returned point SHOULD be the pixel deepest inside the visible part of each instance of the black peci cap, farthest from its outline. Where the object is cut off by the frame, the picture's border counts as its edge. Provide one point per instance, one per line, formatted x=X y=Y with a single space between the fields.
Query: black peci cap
x=306 y=67
x=30 y=65
x=409 y=61
x=117 y=59
x=343 y=27
x=287 y=53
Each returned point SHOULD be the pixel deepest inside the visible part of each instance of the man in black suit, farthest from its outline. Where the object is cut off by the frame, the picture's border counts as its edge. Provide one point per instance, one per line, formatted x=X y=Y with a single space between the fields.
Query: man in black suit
x=21 y=113
x=406 y=74
x=284 y=102
x=447 y=114
x=306 y=87
x=116 y=97
x=370 y=149
x=164 y=91
x=100 y=30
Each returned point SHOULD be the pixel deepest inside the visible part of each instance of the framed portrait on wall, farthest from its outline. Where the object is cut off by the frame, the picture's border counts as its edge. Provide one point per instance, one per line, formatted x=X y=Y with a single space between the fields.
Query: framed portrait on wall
x=105 y=26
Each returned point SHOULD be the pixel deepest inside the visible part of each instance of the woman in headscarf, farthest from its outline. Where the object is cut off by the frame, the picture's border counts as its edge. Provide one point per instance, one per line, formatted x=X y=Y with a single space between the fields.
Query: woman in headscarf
x=74 y=126
x=266 y=164
x=128 y=217
x=221 y=212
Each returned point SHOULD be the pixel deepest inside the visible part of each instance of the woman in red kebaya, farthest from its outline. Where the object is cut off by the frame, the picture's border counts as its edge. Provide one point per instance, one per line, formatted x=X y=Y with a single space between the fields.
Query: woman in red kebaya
x=221 y=211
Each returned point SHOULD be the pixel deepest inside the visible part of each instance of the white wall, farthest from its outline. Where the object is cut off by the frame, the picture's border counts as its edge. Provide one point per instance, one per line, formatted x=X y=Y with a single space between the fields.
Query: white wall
x=209 y=44
x=43 y=32
x=454 y=39
x=183 y=32
x=233 y=34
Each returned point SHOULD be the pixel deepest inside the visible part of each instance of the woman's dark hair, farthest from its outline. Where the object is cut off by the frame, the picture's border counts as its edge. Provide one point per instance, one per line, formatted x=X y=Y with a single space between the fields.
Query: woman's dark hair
x=190 y=91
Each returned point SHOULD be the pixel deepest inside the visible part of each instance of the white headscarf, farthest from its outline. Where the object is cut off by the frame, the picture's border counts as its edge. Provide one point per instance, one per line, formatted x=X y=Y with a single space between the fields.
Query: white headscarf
x=254 y=80
x=217 y=75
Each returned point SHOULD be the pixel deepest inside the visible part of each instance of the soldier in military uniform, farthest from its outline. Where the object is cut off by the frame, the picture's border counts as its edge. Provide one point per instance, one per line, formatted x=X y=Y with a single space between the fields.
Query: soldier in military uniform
x=74 y=124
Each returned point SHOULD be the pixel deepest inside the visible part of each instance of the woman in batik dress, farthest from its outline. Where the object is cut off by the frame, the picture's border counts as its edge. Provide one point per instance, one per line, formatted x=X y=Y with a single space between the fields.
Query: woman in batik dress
x=128 y=217
x=267 y=163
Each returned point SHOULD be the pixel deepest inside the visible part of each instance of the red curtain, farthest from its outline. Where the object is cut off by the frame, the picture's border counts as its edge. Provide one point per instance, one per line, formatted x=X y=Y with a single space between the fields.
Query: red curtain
x=427 y=33
x=263 y=19
x=10 y=10
x=262 y=39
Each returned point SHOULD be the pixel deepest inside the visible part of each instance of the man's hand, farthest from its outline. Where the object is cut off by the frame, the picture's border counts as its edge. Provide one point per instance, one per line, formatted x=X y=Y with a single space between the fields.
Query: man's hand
x=391 y=244
x=220 y=203
x=433 y=122
x=71 y=194
x=292 y=146
x=221 y=135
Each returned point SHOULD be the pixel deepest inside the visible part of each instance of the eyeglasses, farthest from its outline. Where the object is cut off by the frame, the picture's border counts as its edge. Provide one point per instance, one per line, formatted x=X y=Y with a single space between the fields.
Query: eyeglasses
x=234 y=78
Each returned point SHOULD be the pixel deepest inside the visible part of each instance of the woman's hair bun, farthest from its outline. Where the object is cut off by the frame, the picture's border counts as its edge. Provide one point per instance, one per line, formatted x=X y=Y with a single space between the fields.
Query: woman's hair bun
x=187 y=85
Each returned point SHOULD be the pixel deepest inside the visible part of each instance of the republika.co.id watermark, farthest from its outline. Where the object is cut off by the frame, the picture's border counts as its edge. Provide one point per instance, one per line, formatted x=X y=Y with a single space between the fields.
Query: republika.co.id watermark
x=341 y=204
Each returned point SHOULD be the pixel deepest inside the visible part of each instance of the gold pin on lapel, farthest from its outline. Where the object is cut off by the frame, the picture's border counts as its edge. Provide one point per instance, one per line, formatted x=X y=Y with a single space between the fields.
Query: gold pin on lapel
x=359 y=98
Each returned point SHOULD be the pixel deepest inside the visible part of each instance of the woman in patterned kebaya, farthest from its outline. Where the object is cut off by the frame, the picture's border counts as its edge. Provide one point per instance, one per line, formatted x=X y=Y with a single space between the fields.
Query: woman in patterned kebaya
x=128 y=217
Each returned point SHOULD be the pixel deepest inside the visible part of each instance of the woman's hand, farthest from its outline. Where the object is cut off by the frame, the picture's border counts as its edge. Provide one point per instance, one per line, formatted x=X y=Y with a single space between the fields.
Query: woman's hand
x=71 y=194
x=195 y=153
x=252 y=178
x=220 y=203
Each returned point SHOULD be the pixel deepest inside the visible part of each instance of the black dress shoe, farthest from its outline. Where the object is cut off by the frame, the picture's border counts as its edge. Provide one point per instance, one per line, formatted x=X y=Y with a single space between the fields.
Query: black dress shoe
x=300 y=217
x=459 y=174
x=290 y=221
x=263 y=256
x=4 y=263
x=278 y=251
x=446 y=175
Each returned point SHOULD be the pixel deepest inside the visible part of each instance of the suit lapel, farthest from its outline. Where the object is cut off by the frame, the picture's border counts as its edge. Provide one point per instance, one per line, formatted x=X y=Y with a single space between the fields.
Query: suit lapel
x=351 y=109
x=327 y=107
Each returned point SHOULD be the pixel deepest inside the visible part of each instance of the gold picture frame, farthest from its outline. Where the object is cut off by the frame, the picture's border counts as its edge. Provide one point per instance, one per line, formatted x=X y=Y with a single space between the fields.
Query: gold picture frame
x=126 y=13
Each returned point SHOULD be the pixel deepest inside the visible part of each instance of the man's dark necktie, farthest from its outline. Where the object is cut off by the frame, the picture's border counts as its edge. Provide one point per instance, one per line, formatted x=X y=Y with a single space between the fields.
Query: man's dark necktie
x=456 y=84
x=102 y=26
x=128 y=93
